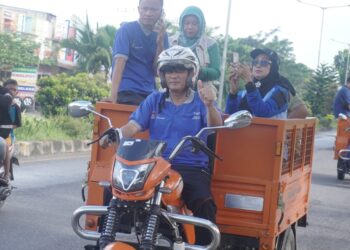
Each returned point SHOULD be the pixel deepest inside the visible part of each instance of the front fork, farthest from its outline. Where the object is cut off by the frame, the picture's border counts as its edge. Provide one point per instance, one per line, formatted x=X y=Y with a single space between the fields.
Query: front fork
x=150 y=228
x=110 y=224
x=151 y=225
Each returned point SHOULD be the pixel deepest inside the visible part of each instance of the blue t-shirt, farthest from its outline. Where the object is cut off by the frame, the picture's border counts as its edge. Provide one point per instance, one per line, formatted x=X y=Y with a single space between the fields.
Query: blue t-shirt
x=273 y=105
x=140 y=49
x=341 y=102
x=172 y=123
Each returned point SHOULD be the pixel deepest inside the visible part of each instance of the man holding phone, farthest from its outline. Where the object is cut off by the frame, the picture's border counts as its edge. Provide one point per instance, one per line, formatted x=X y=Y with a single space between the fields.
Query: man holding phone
x=136 y=47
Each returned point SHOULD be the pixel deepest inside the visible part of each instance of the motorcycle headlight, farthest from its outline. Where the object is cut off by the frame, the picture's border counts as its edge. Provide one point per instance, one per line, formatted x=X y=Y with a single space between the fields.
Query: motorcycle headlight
x=130 y=178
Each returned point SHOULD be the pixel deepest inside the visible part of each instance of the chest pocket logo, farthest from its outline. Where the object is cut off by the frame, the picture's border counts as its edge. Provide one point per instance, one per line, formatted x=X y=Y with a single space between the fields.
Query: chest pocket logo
x=136 y=45
x=196 y=116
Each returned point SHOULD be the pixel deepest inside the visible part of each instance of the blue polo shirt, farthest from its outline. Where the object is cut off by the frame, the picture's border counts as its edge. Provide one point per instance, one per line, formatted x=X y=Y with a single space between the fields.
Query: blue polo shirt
x=341 y=102
x=139 y=47
x=172 y=123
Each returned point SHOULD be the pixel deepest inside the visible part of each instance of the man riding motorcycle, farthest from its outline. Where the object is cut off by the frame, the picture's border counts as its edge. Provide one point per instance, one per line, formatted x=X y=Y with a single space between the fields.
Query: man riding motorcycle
x=10 y=118
x=178 y=112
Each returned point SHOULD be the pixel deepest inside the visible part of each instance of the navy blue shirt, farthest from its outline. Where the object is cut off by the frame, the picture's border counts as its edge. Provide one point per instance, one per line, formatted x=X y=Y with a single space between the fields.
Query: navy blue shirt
x=139 y=48
x=172 y=123
x=341 y=102
x=261 y=106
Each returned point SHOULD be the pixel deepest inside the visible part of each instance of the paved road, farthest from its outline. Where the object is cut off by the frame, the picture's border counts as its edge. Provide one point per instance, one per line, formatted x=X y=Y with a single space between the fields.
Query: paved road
x=37 y=215
x=329 y=217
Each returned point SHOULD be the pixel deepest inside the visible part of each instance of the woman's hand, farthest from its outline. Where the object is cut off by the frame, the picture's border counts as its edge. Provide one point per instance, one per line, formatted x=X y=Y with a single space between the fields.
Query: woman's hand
x=234 y=78
x=245 y=73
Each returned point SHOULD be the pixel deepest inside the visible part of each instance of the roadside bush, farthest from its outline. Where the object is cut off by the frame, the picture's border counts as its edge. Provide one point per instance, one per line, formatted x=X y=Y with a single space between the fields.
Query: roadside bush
x=36 y=128
x=56 y=92
x=326 y=122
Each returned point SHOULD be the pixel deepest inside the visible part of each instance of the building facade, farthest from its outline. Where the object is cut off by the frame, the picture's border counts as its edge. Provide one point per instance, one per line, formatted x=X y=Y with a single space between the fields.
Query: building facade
x=45 y=30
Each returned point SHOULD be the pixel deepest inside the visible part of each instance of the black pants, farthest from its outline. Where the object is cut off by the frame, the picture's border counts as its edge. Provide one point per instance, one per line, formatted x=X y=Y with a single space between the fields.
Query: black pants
x=198 y=197
x=130 y=97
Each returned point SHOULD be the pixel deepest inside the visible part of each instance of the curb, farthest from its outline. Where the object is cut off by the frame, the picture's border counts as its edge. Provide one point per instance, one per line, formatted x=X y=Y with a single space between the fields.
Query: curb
x=39 y=148
x=46 y=148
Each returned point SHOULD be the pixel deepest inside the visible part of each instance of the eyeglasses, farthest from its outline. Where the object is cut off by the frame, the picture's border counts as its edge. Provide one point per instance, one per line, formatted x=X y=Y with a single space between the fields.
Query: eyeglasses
x=173 y=69
x=261 y=63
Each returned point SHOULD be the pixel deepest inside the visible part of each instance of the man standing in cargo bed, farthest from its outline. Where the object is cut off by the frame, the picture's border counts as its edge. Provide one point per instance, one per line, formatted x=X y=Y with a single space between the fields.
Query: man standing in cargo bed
x=136 y=47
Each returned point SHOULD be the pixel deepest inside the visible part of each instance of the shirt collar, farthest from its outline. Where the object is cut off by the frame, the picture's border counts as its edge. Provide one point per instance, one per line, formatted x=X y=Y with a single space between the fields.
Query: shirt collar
x=188 y=100
x=144 y=29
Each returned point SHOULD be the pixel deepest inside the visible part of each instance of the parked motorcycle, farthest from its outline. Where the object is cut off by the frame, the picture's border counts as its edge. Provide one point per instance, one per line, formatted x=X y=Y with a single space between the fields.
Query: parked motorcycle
x=147 y=211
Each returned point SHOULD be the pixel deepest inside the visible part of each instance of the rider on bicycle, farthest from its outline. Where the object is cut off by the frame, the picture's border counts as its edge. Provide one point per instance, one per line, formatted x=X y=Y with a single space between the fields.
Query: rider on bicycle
x=10 y=118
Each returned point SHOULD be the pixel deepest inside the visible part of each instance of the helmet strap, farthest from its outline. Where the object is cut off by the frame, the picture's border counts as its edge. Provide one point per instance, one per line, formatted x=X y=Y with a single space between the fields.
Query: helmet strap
x=189 y=80
x=162 y=80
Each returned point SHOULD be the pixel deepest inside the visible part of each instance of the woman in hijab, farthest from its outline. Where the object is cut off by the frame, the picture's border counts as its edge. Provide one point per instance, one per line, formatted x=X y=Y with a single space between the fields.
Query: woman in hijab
x=266 y=92
x=192 y=35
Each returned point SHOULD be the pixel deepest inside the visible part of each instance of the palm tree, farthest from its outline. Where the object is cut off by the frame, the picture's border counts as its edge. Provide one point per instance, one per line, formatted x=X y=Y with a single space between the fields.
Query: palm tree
x=94 y=50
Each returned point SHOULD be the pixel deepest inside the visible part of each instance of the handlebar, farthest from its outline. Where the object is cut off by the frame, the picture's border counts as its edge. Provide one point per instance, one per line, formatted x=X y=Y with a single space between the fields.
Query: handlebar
x=343 y=154
x=197 y=145
x=114 y=135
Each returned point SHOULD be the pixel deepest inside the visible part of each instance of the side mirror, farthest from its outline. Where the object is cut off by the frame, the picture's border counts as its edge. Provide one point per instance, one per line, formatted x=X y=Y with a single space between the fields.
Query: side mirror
x=80 y=108
x=239 y=119
x=342 y=116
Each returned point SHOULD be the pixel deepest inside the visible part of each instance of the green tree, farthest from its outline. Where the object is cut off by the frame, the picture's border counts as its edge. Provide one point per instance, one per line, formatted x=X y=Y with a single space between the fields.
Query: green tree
x=94 y=50
x=17 y=51
x=56 y=92
x=340 y=61
x=171 y=28
x=321 y=89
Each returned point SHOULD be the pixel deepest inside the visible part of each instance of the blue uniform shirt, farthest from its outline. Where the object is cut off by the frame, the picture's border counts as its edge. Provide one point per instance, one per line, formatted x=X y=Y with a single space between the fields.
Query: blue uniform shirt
x=139 y=48
x=341 y=102
x=266 y=106
x=172 y=124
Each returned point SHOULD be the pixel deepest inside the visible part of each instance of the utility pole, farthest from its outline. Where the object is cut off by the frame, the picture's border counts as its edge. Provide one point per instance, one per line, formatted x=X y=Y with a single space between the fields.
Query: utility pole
x=323 y=8
x=224 y=55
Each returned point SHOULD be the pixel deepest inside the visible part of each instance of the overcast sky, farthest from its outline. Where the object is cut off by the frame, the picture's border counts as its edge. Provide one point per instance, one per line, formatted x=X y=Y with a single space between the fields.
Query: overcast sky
x=299 y=23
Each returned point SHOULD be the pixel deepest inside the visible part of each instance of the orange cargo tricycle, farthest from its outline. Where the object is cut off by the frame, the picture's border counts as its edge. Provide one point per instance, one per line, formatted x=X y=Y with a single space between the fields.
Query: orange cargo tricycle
x=342 y=147
x=261 y=176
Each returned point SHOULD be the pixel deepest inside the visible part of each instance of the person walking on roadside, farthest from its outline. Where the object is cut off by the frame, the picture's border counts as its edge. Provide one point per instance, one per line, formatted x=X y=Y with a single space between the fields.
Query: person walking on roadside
x=192 y=35
x=341 y=103
x=136 y=48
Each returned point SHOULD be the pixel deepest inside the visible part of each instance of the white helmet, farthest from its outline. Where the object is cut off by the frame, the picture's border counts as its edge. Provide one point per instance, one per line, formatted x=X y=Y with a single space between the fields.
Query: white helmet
x=178 y=55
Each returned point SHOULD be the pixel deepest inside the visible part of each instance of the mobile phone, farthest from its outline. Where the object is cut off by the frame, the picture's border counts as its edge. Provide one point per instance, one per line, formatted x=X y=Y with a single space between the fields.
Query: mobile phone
x=235 y=57
x=160 y=22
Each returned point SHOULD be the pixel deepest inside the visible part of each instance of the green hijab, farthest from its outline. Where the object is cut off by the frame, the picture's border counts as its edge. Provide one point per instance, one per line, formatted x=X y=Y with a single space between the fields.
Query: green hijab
x=186 y=41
